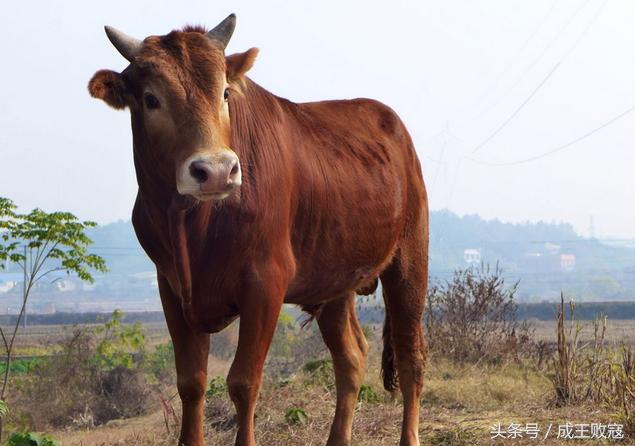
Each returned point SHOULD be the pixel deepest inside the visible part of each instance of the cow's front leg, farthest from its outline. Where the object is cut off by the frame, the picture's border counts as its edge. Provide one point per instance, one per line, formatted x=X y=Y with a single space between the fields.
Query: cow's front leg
x=191 y=350
x=258 y=316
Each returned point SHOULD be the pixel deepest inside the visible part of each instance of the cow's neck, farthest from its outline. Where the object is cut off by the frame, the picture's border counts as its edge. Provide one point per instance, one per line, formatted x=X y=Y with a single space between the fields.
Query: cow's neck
x=170 y=227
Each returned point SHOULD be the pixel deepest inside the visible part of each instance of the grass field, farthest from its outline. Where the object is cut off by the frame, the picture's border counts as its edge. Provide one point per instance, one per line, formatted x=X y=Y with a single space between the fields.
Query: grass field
x=459 y=407
x=617 y=331
x=461 y=404
x=42 y=340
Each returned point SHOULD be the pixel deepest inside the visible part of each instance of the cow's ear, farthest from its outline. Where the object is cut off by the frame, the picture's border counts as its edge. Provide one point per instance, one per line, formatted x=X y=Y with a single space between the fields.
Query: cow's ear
x=238 y=64
x=110 y=87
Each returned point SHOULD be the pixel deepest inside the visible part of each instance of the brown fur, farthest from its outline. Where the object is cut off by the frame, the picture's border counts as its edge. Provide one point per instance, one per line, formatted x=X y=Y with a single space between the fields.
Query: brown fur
x=332 y=197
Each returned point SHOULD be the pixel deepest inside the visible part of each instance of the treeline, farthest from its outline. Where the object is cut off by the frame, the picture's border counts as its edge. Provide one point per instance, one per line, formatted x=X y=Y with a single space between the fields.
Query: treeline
x=510 y=243
x=83 y=318
x=583 y=310
x=450 y=235
x=544 y=311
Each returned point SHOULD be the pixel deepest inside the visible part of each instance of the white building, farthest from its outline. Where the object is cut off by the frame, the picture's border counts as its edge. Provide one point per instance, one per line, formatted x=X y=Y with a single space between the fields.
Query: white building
x=472 y=256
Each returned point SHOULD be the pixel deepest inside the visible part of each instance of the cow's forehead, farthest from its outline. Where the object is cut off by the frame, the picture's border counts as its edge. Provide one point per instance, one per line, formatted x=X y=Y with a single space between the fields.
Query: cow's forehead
x=187 y=57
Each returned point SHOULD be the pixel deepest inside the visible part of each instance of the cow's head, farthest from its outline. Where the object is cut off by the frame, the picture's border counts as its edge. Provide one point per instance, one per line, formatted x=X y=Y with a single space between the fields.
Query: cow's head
x=178 y=89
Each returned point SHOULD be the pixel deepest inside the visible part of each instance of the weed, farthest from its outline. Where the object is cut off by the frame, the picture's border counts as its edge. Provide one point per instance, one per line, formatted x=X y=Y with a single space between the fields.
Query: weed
x=318 y=365
x=296 y=415
x=320 y=373
x=368 y=395
x=217 y=386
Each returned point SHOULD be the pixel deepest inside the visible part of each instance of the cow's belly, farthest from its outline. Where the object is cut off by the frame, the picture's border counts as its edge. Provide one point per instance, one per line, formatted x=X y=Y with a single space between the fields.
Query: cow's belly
x=326 y=285
x=336 y=263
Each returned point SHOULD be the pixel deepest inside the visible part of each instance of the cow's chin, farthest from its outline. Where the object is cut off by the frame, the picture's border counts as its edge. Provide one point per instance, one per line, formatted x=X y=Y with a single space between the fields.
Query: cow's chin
x=232 y=195
x=211 y=196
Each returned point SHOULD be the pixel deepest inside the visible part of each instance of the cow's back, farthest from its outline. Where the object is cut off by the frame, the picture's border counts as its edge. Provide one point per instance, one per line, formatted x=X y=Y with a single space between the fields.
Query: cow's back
x=358 y=179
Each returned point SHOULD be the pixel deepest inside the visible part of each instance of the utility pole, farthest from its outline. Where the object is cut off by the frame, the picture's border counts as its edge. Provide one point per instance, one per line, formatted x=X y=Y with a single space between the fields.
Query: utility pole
x=24 y=296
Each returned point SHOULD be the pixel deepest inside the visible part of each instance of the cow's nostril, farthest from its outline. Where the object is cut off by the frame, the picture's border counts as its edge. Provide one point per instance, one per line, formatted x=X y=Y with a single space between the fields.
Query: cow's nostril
x=199 y=174
x=234 y=170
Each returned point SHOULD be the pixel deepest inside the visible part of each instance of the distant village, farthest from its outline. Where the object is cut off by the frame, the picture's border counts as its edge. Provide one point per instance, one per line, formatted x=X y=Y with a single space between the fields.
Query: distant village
x=68 y=294
x=548 y=259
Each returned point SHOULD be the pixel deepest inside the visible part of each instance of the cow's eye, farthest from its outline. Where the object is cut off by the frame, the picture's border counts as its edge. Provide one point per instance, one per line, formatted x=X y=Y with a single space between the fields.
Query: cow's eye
x=151 y=101
x=226 y=94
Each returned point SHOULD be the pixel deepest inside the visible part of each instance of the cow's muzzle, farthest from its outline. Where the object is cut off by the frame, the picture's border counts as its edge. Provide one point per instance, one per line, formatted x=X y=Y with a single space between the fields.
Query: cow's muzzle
x=212 y=178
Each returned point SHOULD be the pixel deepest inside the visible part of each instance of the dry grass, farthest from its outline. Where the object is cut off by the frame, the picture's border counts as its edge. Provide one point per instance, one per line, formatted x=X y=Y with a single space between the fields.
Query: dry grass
x=593 y=371
x=459 y=406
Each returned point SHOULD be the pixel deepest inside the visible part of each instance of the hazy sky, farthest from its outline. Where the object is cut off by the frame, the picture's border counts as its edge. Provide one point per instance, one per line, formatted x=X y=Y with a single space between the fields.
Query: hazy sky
x=487 y=81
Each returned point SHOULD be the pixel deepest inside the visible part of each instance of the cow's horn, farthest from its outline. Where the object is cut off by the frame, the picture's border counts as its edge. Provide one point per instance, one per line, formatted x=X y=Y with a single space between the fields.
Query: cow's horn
x=223 y=31
x=128 y=46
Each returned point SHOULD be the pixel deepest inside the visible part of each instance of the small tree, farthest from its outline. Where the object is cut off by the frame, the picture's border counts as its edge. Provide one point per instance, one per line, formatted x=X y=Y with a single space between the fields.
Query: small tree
x=41 y=244
x=473 y=317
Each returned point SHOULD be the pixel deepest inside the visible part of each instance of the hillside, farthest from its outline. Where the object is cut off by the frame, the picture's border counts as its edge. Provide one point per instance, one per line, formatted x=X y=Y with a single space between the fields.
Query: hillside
x=536 y=254
x=546 y=258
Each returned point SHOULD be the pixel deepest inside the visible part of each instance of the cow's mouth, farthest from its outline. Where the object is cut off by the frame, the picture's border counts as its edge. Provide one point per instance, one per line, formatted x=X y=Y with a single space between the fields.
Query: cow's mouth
x=211 y=196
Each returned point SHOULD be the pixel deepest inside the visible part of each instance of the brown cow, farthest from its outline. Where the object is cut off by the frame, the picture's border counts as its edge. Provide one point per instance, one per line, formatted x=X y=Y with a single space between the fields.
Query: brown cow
x=247 y=201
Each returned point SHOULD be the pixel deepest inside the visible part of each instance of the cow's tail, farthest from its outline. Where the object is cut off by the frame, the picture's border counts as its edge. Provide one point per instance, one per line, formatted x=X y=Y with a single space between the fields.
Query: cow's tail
x=388 y=371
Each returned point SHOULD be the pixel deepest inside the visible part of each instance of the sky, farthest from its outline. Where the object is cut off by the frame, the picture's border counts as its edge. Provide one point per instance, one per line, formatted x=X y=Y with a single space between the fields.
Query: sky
x=483 y=86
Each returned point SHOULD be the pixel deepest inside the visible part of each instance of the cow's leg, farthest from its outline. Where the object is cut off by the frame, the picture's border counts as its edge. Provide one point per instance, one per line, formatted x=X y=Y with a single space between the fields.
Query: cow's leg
x=191 y=350
x=344 y=337
x=258 y=316
x=405 y=285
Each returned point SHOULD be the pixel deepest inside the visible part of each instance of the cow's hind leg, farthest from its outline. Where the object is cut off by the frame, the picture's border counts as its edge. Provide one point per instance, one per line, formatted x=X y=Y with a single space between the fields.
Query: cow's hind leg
x=405 y=285
x=343 y=336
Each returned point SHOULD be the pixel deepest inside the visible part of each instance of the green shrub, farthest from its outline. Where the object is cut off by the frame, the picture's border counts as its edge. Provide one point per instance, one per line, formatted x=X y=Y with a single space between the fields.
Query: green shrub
x=296 y=415
x=160 y=363
x=318 y=365
x=97 y=376
x=217 y=387
x=31 y=439
x=20 y=366
x=368 y=395
x=119 y=342
x=320 y=373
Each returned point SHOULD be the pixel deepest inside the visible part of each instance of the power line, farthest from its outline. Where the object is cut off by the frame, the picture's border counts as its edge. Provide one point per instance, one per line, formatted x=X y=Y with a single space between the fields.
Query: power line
x=558 y=148
x=542 y=83
x=541 y=55
x=540 y=25
x=518 y=109
x=522 y=48
x=531 y=65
